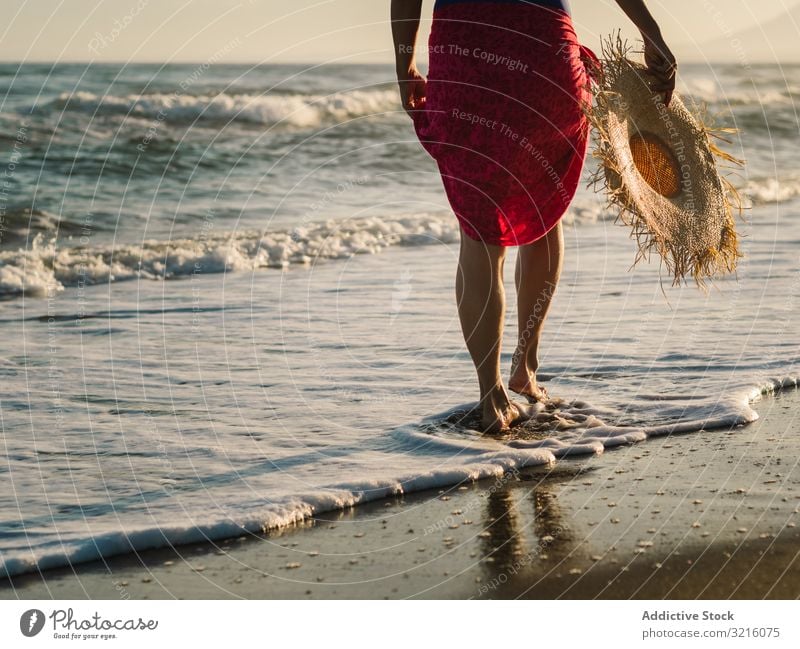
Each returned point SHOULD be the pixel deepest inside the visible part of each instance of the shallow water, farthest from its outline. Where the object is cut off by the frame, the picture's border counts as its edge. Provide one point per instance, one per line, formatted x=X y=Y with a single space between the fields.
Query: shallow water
x=178 y=411
x=313 y=361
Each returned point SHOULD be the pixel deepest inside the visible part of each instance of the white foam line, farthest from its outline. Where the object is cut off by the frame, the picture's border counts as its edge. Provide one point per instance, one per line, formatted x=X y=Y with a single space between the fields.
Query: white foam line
x=485 y=458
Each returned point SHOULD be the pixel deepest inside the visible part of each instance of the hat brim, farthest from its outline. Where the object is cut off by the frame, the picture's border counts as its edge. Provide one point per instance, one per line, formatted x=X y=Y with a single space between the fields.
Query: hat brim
x=687 y=218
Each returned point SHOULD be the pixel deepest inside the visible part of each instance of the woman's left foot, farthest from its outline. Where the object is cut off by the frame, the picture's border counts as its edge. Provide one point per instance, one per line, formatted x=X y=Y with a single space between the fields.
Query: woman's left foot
x=525 y=385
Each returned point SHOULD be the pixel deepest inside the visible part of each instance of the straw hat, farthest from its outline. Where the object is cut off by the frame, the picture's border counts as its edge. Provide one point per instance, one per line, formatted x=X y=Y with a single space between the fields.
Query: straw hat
x=658 y=166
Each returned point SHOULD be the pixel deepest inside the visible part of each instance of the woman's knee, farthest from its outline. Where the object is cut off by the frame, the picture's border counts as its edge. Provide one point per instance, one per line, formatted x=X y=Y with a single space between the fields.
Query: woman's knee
x=481 y=254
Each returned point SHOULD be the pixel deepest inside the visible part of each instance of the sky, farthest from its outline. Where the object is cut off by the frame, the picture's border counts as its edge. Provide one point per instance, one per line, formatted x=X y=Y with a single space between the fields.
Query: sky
x=267 y=31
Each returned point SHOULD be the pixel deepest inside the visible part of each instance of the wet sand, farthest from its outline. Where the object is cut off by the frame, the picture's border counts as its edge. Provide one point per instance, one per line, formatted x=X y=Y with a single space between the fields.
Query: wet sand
x=711 y=515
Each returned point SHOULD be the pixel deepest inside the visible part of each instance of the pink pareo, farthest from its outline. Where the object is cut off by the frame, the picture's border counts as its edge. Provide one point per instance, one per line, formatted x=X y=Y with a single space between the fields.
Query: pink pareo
x=503 y=116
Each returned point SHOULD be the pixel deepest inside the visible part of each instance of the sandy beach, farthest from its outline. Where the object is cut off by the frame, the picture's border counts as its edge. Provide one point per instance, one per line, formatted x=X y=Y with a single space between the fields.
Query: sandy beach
x=704 y=515
x=270 y=348
x=271 y=273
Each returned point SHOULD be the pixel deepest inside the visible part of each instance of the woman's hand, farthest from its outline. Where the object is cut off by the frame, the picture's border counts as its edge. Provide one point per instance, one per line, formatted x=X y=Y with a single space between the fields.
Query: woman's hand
x=405 y=24
x=660 y=61
x=661 y=65
x=412 y=89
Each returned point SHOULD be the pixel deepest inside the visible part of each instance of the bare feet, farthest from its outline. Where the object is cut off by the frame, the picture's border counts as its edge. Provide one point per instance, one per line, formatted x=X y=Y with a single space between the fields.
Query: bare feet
x=500 y=414
x=523 y=381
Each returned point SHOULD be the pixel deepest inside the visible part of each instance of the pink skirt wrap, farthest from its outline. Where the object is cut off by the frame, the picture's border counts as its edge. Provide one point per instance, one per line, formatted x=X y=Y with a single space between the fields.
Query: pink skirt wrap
x=503 y=116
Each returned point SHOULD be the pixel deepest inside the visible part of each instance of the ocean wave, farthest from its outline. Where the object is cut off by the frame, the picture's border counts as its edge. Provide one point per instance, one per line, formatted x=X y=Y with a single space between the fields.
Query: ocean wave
x=764 y=191
x=21 y=224
x=47 y=266
x=458 y=459
x=300 y=111
x=712 y=91
x=475 y=462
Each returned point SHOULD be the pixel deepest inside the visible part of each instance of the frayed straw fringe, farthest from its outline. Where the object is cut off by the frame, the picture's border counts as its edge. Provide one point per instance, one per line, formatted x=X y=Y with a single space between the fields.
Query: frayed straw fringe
x=680 y=261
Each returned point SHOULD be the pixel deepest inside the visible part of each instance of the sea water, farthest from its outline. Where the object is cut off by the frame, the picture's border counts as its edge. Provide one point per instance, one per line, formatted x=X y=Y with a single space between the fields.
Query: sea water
x=228 y=305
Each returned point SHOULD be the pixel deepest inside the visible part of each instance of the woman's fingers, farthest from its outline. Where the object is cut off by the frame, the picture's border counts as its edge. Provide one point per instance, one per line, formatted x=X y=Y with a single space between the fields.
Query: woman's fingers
x=666 y=68
x=662 y=68
x=665 y=87
x=412 y=92
x=661 y=79
x=661 y=85
x=407 y=95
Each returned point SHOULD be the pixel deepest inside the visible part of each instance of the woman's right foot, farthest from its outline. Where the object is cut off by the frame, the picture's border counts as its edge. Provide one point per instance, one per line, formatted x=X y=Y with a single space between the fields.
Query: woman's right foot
x=500 y=415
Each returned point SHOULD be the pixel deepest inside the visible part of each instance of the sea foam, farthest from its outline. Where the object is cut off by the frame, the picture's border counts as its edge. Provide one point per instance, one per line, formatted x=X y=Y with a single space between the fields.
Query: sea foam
x=453 y=461
x=48 y=266
x=292 y=110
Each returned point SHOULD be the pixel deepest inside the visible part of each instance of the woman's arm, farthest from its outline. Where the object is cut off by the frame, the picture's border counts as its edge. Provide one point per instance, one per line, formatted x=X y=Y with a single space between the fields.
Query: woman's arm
x=658 y=57
x=405 y=24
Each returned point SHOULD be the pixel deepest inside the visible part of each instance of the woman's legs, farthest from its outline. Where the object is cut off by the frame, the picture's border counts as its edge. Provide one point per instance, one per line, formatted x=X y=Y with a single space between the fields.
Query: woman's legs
x=537 y=273
x=481 y=308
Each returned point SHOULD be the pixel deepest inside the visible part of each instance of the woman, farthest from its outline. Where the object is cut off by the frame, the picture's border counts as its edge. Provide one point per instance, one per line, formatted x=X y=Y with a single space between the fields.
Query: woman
x=501 y=112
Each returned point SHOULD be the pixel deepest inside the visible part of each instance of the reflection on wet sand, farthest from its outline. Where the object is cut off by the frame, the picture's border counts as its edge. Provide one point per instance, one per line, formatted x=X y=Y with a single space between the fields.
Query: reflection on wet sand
x=512 y=540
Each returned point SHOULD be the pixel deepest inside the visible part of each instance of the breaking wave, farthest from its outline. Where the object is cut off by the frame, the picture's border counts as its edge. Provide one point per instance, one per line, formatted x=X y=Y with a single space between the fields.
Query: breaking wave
x=294 y=110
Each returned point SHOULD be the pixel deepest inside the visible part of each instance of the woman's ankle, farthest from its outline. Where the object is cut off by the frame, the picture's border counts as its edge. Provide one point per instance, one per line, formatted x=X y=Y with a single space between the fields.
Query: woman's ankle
x=524 y=368
x=495 y=396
